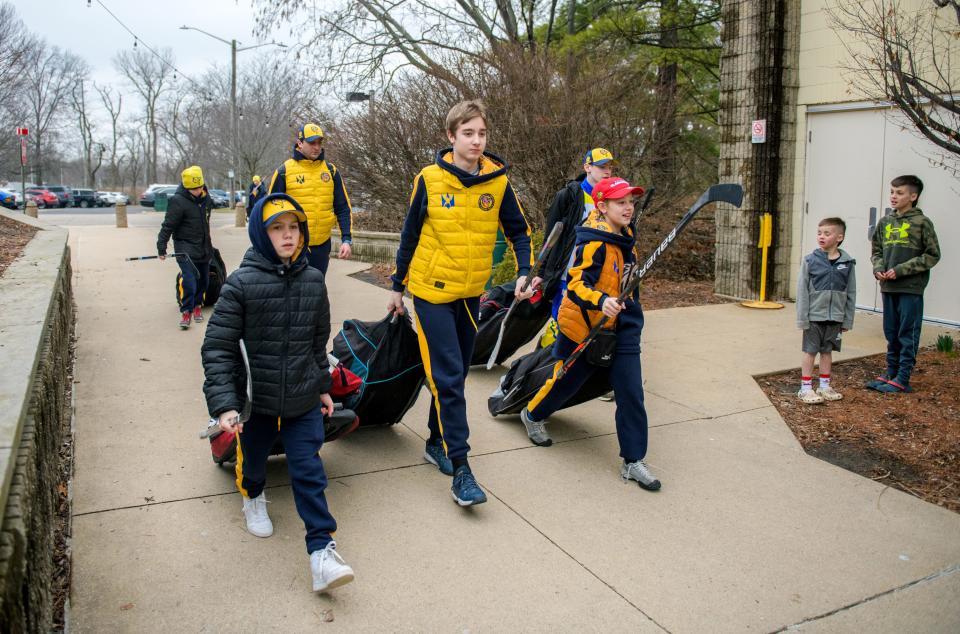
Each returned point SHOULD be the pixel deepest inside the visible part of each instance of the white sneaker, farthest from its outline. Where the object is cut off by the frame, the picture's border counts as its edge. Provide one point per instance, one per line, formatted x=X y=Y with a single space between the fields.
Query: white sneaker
x=829 y=394
x=329 y=569
x=258 y=522
x=640 y=472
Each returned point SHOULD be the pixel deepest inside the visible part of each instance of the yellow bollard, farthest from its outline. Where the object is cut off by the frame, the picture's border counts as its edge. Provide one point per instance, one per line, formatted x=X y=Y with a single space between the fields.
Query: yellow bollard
x=240 y=219
x=766 y=239
x=121 y=215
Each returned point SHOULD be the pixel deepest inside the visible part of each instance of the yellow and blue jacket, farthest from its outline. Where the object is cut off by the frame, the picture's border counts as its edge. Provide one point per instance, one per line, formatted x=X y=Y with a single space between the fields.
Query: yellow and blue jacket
x=318 y=187
x=446 y=246
x=601 y=266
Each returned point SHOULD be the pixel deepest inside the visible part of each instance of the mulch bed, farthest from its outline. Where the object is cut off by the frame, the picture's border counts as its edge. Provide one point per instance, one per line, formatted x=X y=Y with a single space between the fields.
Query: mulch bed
x=655 y=293
x=908 y=441
x=14 y=236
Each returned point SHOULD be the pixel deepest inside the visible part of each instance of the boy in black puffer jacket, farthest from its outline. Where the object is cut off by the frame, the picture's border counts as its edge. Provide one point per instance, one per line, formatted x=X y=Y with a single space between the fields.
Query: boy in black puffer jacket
x=277 y=304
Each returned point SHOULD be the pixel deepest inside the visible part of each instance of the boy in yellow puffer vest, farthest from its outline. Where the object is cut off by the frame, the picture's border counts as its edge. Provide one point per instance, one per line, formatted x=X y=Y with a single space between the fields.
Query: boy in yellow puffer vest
x=603 y=258
x=444 y=258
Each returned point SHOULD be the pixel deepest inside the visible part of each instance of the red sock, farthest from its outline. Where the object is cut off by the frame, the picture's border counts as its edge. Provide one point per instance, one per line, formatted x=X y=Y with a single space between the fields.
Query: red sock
x=824 y=380
x=806 y=383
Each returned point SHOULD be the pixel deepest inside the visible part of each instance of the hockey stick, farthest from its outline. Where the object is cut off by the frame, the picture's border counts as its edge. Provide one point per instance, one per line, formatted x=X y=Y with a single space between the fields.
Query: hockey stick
x=213 y=426
x=726 y=192
x=548 y=244
x=152 y=257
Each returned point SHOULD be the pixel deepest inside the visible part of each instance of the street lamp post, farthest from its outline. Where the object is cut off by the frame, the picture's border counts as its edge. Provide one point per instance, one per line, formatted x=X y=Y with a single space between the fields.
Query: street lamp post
x=234 y=128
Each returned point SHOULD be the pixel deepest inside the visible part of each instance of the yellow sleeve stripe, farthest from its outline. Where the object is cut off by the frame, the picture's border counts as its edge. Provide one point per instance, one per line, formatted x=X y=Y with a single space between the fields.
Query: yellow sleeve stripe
x=576 y=284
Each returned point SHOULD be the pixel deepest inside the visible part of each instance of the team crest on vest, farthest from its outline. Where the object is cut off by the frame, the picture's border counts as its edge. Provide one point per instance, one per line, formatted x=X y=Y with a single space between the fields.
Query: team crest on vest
x=447 y=200
x=301 y=178
x=325 y=177
x=486 y=202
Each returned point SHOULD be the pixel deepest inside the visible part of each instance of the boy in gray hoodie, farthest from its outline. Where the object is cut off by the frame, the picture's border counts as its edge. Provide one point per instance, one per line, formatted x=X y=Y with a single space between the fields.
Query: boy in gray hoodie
x=826 y=300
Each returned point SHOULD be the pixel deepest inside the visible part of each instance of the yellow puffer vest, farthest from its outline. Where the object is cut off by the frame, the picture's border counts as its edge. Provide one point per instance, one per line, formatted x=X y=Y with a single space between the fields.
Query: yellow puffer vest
x=310 y=183
x=570 y=317
x=455 y=252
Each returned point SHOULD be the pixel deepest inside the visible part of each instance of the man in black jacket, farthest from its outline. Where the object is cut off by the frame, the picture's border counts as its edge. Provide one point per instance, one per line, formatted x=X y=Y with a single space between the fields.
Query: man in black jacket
x=188 y=221
x=255 y=192
x=571 y=205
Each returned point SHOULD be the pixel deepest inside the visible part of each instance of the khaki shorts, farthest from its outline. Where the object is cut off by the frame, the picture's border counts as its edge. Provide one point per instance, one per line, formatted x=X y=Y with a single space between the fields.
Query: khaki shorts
x=822 y=336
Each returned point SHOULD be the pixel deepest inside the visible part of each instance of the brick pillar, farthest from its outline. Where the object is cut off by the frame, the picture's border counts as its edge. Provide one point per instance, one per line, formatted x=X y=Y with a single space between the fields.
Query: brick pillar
x=758 y=80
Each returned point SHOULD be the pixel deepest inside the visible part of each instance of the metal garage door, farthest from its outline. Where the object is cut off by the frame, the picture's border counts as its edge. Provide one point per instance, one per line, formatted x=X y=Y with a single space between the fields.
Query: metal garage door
x=851 y=157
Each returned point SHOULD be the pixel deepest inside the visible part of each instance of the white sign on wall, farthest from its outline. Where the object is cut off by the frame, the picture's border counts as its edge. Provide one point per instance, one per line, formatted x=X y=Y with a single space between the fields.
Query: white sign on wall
x=758 y=131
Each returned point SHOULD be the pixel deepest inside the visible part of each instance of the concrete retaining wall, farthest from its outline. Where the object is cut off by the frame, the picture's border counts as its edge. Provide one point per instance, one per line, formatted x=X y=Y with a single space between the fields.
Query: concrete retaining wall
x=377 y=247
x=36 y=325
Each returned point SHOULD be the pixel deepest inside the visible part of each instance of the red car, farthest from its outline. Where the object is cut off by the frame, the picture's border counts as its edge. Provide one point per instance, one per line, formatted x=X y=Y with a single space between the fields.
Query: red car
x=44 y=198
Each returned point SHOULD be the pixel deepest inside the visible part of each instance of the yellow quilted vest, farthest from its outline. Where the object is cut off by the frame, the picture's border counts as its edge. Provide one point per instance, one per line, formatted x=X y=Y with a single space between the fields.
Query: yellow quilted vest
x=455 y=252
x=310 y=183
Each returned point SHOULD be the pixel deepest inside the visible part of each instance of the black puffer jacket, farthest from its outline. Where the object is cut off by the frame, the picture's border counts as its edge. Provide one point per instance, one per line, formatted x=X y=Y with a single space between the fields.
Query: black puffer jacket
x=188 y=221
x=567 y=207
x=283 y=316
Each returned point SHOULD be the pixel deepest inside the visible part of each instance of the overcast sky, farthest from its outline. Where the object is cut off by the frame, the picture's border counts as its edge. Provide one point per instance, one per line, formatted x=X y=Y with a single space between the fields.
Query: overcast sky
x=92 y=34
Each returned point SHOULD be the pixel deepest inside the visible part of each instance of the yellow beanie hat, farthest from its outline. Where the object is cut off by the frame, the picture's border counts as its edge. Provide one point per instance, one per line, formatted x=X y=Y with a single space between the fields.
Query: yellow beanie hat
x=192 y=177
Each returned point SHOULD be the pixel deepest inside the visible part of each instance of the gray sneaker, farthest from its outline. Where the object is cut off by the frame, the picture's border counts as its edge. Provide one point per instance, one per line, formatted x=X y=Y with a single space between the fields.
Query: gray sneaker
x=535 y=430
x=640 y=472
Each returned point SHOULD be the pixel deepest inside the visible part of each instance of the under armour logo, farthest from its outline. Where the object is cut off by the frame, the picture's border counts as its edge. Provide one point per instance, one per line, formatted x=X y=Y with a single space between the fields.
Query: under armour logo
x=447 y=200
x=901 y=231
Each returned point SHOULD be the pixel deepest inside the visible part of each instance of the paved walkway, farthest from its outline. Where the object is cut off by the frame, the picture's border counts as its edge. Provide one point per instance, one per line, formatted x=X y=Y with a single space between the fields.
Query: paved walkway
x=748 y=534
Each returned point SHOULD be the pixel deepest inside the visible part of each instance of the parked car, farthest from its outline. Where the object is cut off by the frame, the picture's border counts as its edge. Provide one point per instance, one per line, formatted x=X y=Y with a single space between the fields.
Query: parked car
x=166 y=191
x=85 y=198
x=220 y=198
x=102 y=199
x=146 y=198
x=8 y=199
x=112 y=198
x=64 y=194
x=44 y=197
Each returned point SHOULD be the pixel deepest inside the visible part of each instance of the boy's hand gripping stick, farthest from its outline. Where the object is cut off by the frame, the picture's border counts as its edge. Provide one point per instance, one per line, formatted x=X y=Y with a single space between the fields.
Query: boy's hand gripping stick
x=213 y=426
x=548 y=244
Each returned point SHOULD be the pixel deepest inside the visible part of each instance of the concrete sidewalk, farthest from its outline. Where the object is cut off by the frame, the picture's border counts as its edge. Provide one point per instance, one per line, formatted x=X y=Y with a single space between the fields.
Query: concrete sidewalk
x=748 y=533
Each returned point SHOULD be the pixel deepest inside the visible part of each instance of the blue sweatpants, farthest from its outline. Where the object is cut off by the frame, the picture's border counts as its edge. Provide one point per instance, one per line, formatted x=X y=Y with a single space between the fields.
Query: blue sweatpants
x=447 y=333
x=625 y=377
x=193 y=288
x=318 y=256
x=302 y=438
x=902 y=318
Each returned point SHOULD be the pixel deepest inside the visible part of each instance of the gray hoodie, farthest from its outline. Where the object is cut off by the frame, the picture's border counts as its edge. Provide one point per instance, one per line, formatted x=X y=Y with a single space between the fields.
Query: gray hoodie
x=827 y=290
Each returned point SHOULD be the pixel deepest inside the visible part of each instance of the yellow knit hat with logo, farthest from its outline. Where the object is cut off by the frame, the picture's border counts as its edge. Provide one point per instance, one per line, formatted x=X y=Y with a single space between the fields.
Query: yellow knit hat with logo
x=192 y=177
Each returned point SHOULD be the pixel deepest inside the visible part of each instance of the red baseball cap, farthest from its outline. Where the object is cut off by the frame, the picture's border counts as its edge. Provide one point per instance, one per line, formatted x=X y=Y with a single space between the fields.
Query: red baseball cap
x=611 y=188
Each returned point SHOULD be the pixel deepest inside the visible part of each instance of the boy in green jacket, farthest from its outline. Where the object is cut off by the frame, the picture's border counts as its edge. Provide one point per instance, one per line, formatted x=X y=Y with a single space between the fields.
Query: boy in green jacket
x=905 y=248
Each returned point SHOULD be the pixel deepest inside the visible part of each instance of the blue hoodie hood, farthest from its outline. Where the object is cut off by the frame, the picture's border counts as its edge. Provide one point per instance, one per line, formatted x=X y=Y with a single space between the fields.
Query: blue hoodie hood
x=258 y=231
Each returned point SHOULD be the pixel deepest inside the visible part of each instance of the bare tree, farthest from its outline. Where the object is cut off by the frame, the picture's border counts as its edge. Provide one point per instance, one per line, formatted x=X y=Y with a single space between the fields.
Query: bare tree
x=113 y=109
x=93 y=150
x=908 y=58
x=15 y=43
x=150 y=75
x=48 y=78
x=366 y=42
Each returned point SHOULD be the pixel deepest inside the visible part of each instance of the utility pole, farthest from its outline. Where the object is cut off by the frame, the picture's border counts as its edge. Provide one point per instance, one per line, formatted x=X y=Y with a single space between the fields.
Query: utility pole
x=234 y=174
x=234 y=126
